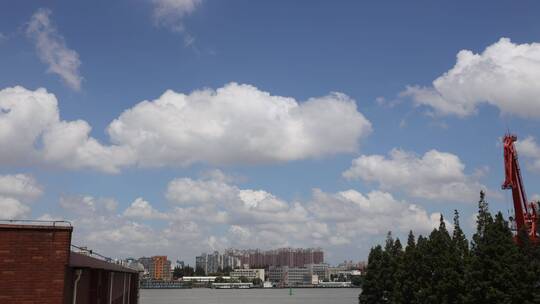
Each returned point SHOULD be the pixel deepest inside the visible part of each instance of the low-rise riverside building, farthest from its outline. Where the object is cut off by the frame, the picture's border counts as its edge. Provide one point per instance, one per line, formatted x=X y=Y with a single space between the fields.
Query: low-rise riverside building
x=232 y=285
x=290 y=276
x=335 y=284
x=249 y=273
x=320 y=270
x=203 y=279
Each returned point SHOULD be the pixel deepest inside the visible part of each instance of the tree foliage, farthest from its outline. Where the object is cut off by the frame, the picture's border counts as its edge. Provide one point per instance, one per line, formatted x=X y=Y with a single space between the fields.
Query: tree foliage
x=199 y=271
x=445 y=267
x=180 y=272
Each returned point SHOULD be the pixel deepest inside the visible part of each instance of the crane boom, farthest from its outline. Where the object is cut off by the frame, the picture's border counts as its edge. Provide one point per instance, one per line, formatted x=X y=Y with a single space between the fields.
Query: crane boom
x=525 y=213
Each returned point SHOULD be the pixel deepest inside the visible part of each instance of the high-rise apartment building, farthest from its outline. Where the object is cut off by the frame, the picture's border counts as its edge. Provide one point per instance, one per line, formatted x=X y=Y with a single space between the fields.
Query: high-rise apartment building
x=216 y=262
x=160 y=268
x=200 y=263
x=256 y=258
x=146 y=262
x=291 y=257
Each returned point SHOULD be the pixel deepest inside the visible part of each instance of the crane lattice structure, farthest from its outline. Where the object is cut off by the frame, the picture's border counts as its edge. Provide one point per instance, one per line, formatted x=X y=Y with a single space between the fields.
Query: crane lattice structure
x=525 y=212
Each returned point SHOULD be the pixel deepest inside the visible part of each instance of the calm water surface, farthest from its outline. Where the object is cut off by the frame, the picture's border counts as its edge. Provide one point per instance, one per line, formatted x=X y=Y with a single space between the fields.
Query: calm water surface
x=249 y=296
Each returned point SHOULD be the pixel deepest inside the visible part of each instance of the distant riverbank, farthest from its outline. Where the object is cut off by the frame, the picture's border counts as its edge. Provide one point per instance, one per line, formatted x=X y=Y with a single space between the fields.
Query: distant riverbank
x=252 y=296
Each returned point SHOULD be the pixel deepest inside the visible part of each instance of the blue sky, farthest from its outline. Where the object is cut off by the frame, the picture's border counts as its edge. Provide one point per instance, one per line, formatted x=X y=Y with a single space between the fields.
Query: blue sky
x=256 y=171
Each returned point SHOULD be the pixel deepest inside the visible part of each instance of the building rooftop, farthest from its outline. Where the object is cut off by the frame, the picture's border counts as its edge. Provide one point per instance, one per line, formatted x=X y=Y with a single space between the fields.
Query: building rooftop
x=35 y=225
x=79 y=260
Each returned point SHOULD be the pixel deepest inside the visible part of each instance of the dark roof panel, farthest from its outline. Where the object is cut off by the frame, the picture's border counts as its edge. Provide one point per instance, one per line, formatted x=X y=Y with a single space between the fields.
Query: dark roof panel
x=77 y=260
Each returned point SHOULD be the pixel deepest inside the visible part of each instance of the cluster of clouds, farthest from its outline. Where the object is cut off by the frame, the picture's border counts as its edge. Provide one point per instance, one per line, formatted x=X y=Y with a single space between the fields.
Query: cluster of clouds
x=17 y=192
x=239 y=124
x=212 y=212
x=52 y=49
x=169 y=13
x=233 y=124
x=433 y=176
x=530 y=149
x=504 y=75
x=65 y=62
x=33 y=133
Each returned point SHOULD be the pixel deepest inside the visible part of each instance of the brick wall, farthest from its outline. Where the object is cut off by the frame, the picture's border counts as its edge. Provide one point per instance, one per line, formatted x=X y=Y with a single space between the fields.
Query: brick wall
x=33 y=263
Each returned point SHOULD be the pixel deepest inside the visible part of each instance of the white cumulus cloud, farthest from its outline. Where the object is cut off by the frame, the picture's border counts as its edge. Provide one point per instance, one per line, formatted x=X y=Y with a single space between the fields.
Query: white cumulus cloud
x=12 y=208
x=31 y=132
x=504 y=75
x=52 y=49
x=189 y=191
x=373 y=213
x=242 y=218
x=16 y=192
x=238 y=124
x=259 y=218
x=88 y=205
x=530 y=149
x=21 y=186
x=143 y=210
x=435 y=175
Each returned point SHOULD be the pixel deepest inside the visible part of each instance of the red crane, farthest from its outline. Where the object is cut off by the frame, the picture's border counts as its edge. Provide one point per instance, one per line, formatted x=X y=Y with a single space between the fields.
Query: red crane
x=525 y=212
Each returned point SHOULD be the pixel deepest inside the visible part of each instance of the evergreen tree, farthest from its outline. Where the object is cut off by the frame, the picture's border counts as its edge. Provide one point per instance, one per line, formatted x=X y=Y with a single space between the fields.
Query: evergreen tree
x=525 y=268
x=483 y=219
x=372 y=293
x=380 y=276
x=535 y=263
x=476 y=288
x=397 y=269
x=459 y=261
x=493 y=277
x=498 y=268
x=441 y=287
x=423 y=282
x=388 y=268
x=459 y=241
x=406 y=274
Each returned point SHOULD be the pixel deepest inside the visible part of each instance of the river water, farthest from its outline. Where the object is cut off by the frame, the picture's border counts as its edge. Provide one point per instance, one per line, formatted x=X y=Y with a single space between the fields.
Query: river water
x=250 y=296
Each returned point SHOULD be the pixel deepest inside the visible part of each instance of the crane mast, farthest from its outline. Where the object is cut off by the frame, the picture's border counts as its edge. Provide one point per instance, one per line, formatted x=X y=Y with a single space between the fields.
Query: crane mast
x=525 y=212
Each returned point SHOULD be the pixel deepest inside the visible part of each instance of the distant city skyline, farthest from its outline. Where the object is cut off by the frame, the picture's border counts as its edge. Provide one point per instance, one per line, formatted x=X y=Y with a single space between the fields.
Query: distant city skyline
x=186 y=126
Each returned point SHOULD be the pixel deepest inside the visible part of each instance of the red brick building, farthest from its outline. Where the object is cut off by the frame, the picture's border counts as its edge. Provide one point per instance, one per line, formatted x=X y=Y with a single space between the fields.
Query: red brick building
x=37 y=266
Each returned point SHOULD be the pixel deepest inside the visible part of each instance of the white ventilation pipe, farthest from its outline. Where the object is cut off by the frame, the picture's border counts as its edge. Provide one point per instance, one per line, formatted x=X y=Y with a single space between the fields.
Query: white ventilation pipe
x=124 y=291
x=110 y=290
x=78 y=272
